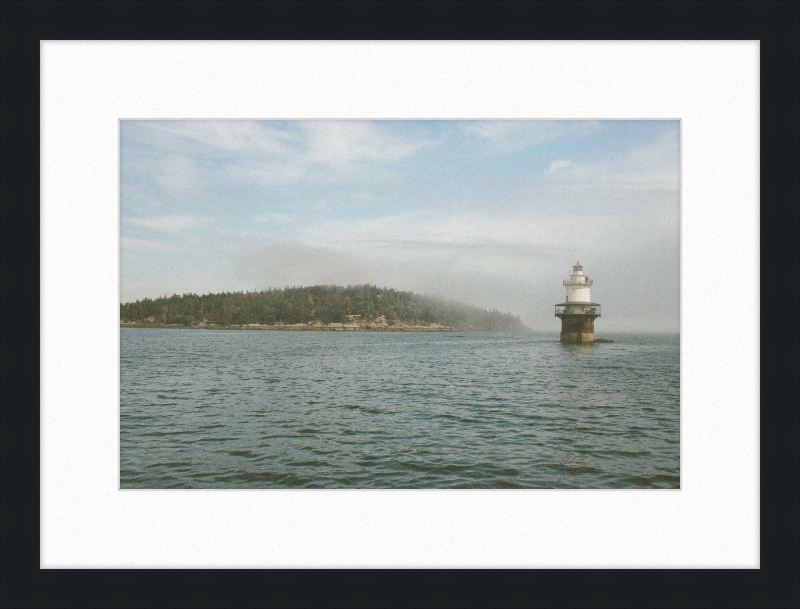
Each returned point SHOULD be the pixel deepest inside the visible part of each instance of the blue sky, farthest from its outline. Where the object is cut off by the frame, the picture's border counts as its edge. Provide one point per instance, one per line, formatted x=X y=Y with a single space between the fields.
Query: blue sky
x=492 y=213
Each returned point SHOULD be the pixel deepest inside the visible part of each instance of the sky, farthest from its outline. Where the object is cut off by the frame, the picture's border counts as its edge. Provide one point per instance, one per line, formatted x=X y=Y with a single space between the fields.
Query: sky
x=489 y=213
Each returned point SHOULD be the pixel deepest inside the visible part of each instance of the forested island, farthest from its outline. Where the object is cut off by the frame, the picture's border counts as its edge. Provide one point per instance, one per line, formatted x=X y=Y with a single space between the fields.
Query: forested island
x=320 y=307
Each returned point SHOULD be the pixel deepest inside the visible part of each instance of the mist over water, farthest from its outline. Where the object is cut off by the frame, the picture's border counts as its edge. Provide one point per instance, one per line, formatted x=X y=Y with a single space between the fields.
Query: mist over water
x=272 y=409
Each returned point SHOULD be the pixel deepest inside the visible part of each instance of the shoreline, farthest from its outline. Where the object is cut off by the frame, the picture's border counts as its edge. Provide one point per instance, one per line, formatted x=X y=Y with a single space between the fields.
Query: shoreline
x=307 y=327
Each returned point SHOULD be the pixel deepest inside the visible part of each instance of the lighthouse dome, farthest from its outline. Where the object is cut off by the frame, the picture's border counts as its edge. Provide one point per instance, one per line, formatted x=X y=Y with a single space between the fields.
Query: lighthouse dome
x=577 y=268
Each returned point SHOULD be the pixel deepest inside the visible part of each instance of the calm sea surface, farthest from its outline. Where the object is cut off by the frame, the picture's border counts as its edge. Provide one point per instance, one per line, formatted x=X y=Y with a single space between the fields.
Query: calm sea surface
x=283 y=409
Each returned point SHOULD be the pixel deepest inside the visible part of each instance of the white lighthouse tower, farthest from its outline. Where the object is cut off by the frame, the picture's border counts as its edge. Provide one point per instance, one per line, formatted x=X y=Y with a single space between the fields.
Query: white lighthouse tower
x=577 y=313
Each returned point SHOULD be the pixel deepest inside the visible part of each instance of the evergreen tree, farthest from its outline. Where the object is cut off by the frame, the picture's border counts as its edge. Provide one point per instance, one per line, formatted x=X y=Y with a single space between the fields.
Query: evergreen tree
x=324 y=303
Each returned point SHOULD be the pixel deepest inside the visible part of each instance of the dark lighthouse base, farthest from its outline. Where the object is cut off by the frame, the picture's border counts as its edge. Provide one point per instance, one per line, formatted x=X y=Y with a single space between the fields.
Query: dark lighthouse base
x=577 y=321
x=577 y=328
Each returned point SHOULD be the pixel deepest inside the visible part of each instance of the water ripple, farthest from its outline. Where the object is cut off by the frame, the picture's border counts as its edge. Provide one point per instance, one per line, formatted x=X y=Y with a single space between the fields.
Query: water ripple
x=328 y=410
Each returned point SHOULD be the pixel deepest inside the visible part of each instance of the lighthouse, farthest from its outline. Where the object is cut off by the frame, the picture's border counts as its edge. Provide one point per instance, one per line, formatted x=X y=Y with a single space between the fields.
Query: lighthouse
x=577 y=313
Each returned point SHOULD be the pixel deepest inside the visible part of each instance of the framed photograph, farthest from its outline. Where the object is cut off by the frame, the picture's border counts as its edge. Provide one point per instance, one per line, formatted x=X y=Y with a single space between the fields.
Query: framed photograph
x=316 y=325
x=258 y=350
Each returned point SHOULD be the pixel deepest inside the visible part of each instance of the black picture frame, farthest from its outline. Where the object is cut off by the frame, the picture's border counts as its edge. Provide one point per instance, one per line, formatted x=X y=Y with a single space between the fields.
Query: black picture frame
x=775 y=24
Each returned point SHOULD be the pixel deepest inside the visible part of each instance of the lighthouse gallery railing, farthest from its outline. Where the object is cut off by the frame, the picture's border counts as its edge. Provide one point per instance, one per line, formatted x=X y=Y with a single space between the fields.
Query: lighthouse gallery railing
x=578 y=309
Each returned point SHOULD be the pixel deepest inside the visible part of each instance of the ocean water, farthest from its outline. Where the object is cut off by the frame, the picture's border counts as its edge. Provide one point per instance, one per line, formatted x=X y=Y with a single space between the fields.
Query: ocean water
x=284 y=409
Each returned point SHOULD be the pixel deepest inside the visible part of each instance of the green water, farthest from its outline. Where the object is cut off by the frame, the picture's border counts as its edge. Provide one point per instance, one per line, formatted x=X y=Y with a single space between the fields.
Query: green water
x=260 y=409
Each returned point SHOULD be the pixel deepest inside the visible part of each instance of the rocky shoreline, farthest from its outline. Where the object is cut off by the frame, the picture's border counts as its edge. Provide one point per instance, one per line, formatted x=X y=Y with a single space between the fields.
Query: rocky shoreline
x=314 y=326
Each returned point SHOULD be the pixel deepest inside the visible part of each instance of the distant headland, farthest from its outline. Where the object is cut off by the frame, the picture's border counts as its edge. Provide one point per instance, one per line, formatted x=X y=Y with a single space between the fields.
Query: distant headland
x=361 y=308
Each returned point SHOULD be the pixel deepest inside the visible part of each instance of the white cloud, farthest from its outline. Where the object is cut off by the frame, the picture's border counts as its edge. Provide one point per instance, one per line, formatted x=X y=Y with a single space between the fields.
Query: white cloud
x=232 y=136
x=664 y=151
x=279 y=218
x=339 y=143
x=653 y=167
x=558 y=165
x=513 y=136
x=342 y=145
x=482 y=240
x=178 y=173
x=262 y=152
x=136 y=199
x=169 y=224
x=266 y=172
